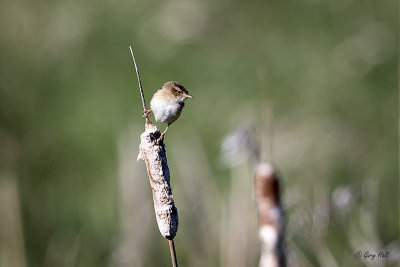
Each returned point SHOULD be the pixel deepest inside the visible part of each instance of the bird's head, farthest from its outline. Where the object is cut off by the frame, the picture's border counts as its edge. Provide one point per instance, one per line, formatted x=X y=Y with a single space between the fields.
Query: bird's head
x=177 y=90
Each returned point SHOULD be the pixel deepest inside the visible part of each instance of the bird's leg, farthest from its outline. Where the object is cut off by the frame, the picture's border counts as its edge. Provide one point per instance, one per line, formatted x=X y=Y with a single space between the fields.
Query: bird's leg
x=162 y=135
x=146 y=113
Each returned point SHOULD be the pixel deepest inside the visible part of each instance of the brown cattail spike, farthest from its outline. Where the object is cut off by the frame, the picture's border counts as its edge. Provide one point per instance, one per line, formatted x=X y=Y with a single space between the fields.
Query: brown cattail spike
x=270 y=216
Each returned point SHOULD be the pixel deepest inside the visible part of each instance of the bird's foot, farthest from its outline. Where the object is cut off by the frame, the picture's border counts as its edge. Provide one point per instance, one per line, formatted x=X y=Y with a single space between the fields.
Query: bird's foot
x=162 y=136
x=146 y=113
x=160 y=139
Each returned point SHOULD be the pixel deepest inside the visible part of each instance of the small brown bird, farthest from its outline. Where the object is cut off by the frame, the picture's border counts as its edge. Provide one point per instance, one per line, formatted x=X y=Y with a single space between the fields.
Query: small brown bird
x=167 y=103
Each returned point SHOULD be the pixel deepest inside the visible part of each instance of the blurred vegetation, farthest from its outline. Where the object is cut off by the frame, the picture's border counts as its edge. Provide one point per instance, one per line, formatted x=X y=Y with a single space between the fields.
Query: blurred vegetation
x=72 y=193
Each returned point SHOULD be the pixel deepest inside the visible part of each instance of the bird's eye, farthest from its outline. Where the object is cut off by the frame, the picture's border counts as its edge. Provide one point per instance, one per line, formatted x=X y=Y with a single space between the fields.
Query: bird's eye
x=180 y=92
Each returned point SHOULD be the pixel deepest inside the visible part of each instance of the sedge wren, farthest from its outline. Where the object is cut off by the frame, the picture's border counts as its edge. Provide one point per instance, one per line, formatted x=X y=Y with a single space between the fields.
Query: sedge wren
x=167 y=103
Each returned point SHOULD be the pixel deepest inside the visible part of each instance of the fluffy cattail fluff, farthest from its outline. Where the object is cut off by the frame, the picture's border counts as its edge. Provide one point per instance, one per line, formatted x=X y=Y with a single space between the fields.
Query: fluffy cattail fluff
x=153 y=153
x=270 y=216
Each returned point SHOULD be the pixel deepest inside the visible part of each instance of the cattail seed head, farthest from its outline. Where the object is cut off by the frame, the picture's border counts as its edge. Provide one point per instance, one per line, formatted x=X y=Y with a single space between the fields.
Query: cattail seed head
x=154 y=155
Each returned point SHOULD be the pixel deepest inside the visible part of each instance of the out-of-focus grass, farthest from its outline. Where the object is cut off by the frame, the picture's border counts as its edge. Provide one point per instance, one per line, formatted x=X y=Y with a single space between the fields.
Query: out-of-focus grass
x=326 y=69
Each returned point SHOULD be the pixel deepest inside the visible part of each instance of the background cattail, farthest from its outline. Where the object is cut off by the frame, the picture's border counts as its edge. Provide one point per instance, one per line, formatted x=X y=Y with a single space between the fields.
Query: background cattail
x=270 y=216
x=241 y=145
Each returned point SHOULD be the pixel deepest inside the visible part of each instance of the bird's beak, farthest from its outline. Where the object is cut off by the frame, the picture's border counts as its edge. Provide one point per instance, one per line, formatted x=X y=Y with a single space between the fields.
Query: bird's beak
x=190 y=96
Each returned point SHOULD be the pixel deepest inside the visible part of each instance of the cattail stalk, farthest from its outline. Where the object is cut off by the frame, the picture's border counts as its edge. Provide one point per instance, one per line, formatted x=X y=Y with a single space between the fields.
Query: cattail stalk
x=270 y=216
x=140 y=82
x=154 y=154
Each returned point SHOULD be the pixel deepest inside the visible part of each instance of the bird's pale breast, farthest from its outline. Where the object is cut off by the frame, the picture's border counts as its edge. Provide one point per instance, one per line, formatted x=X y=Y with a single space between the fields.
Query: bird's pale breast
x=166 y=111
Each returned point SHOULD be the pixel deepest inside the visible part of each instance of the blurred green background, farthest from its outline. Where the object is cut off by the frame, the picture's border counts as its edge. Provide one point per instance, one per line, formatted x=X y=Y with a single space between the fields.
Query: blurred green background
x=317 y=79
